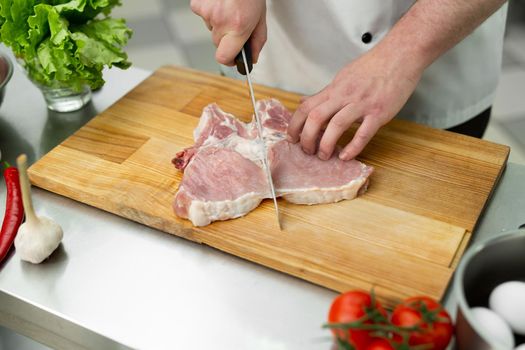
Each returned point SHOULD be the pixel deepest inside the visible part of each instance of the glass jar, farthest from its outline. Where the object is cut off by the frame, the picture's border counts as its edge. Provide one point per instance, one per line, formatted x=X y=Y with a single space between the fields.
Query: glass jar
x=58 y=95
x=65 y=99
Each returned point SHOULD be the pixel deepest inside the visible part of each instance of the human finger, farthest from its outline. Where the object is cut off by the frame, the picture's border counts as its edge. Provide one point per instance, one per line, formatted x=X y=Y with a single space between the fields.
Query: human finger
x=316 y=119
x=216 y=37
x=341 y=121
x=208 y=25
x=229 y=46
x=306 y=97
x=362 y=137
x=199 y=8
x=299 y=117
x=196 y=7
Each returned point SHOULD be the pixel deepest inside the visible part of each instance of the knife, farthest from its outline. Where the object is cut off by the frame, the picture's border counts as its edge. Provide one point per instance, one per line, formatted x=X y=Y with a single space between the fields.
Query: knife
x=244 y=65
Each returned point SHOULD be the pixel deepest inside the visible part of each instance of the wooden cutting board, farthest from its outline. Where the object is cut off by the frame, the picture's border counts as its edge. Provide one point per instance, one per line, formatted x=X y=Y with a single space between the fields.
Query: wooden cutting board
x=403 y=237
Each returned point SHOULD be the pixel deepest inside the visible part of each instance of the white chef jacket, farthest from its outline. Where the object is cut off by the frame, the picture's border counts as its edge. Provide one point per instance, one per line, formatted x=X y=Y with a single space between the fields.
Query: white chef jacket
x=309 y=41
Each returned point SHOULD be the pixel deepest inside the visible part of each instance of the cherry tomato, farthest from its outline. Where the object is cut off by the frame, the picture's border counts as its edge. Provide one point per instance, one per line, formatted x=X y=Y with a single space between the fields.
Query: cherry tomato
x=436 y=328
x=380 y=344
x=354 y=306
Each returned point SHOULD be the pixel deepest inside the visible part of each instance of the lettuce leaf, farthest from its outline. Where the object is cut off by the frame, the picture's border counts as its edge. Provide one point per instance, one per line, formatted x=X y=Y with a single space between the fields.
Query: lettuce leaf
x=65 y=43
x=79 y=11
x=13 y=15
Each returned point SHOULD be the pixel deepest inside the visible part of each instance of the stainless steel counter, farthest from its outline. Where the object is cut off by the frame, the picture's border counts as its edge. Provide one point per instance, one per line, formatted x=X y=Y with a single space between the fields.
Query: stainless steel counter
x=114 y=283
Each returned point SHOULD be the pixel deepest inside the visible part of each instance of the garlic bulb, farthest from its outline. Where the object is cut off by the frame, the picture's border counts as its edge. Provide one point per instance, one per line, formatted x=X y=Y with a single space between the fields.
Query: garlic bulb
x=36 y=240
x=38 y=237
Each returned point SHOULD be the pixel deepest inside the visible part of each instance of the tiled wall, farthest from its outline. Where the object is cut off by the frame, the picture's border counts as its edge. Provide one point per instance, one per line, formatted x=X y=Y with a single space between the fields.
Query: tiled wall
x=167 y=32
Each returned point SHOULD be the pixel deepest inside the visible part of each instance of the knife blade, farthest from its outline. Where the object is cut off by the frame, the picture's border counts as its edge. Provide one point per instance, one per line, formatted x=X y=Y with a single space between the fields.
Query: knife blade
x=244 y=66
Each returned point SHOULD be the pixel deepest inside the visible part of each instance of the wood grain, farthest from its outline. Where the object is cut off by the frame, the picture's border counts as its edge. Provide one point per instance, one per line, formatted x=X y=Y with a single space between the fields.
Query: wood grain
x=404 y=236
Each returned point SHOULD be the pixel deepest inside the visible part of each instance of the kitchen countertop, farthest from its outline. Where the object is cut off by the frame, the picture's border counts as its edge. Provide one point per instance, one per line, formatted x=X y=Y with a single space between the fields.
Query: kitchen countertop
x=115 y=284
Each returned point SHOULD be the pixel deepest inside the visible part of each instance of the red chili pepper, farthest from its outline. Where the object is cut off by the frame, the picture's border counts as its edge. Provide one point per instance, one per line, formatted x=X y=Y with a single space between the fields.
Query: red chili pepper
x=14 y=210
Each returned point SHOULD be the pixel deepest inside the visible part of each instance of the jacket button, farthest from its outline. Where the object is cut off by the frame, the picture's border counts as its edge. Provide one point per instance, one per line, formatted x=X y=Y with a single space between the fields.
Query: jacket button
x=366 y=38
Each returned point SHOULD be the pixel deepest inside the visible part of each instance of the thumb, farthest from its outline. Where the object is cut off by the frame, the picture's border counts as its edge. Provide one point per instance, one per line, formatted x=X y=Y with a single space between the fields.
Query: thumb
x=229 y=46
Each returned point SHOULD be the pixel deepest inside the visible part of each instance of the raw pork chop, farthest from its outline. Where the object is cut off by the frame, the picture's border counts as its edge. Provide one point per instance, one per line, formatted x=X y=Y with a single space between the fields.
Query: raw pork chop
x=223 y=170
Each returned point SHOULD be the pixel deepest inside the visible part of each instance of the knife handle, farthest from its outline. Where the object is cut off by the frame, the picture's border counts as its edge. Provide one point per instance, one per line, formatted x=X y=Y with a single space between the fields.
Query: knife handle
x=239 y=61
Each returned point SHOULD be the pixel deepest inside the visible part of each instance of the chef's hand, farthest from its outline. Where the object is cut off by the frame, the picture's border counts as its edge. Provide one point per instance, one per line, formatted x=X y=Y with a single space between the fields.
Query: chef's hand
x=370 y=90
x=232 y=23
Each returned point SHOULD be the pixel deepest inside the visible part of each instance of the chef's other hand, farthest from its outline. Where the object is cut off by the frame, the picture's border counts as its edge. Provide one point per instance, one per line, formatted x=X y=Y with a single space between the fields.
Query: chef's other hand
x=232 y=23
x=370 y=90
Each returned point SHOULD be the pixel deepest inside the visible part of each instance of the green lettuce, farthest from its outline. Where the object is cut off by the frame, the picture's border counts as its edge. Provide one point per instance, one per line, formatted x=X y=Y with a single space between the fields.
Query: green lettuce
x=65 y=43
